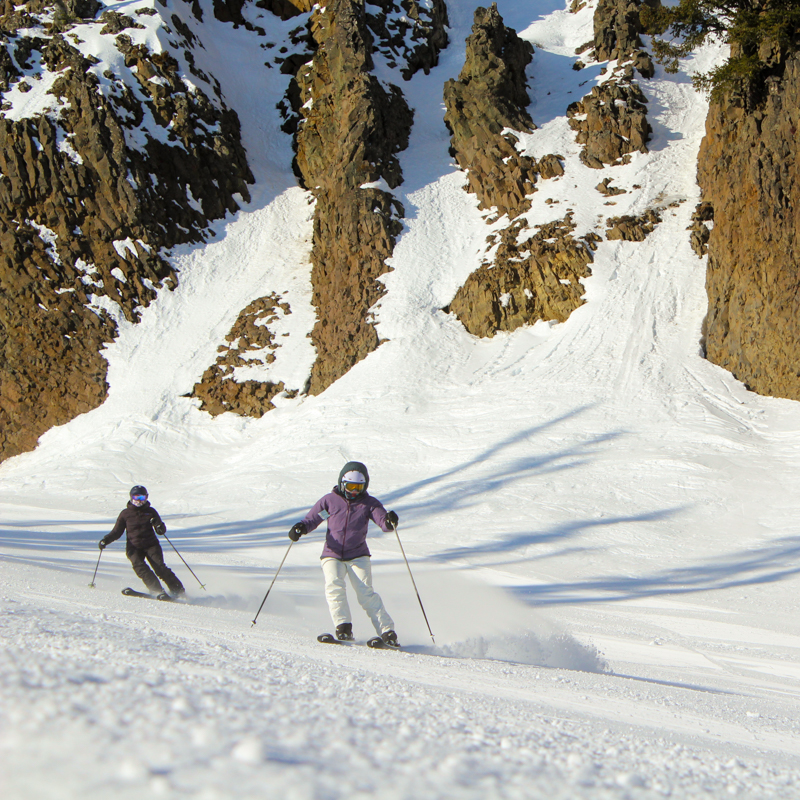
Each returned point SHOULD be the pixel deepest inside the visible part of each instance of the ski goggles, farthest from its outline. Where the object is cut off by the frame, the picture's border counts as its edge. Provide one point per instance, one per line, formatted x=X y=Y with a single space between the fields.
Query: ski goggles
x=140 y=497
x=354 y=487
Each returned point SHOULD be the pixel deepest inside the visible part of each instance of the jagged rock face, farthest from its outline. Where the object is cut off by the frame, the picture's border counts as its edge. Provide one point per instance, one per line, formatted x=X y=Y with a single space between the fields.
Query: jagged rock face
x=352 y=130
x=748 y=172
x=632 y=229
x=231 y=10
x=700 y=231
x=617 y=32
x=94 y=187
x=538 y=279
x=251 y=343
x=611 y=122
x=489 y=97
x=409 y=33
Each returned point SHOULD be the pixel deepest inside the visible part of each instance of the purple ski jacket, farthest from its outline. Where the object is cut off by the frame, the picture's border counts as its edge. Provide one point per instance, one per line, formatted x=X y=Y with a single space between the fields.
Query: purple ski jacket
x=348 y=520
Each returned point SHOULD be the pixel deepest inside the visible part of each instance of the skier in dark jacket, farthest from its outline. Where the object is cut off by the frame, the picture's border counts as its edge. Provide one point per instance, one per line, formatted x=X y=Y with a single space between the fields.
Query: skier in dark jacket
x=348 y=510
x=141 y=522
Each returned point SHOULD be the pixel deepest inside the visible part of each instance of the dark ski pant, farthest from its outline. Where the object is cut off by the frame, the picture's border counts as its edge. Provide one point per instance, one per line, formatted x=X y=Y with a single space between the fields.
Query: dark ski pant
x=155 y=556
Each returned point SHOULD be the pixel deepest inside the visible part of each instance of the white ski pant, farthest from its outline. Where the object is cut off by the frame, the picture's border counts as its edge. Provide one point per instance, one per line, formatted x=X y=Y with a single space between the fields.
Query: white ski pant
x=359 y=570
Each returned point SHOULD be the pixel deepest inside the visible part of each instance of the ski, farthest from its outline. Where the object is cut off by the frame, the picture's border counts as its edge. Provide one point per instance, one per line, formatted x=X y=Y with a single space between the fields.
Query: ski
x=376 y=643
x=128 y=592
x=329 y=638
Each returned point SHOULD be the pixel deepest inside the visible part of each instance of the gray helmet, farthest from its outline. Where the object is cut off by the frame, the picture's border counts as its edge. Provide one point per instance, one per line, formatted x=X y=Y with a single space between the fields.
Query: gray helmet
x=139 y=490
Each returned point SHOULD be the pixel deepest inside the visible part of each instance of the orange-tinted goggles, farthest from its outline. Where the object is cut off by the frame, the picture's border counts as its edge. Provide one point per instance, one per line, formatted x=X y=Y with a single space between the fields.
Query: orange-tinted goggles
x=354 y=487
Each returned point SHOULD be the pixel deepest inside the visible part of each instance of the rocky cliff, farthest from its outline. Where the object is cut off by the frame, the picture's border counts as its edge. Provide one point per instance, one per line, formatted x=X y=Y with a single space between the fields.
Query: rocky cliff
x=484 y=107
x=352 y=127
x=537 y=275
x=347 y=149
x=530 y=277
x=749 y=174
x=617 y=32
x=101 y=171
x=611 y=121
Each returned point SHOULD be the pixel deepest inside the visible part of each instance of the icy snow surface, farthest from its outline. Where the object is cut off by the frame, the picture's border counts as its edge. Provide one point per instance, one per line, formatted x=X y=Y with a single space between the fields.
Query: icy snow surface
x=601 y=524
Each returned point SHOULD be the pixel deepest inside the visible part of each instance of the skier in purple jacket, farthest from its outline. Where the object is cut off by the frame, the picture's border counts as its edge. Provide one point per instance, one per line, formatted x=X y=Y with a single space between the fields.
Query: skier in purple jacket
x=348 y=509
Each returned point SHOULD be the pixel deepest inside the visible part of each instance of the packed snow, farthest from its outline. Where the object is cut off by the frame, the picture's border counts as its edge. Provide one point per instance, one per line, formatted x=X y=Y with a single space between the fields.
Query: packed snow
x=601 y=524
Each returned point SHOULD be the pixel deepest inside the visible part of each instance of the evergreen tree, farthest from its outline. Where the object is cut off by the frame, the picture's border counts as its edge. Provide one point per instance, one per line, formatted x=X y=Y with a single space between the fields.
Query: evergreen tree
x=760 y=34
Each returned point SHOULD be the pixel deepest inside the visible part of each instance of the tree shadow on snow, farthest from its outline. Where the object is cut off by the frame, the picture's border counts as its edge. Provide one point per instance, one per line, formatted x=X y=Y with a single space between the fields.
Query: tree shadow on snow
x=774 y=562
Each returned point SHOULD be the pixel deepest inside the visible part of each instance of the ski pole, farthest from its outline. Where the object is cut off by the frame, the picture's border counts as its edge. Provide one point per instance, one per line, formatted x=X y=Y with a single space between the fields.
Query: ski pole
x=414 y=583
x=272 y=584
x=91 y=585
x=202 y=585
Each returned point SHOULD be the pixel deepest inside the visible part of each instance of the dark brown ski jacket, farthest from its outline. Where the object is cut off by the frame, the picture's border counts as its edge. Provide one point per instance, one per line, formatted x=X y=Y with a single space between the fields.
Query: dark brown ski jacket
x=140 y=524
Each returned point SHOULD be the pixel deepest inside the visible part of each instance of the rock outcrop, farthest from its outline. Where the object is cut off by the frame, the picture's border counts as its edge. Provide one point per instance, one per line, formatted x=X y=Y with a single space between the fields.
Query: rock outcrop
x=409 y=34
x=347 y=147
x=630 y=228
x=700 y=230
x=484 y=107
x=611 y=122
x=348 y=128
x=95 y=185
x=539 y=278
x=251 y=343
x=749 y=173
x=617 y=33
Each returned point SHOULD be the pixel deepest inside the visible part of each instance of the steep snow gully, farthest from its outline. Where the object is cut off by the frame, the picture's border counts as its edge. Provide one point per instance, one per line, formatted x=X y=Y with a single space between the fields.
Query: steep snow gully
x=602 y=525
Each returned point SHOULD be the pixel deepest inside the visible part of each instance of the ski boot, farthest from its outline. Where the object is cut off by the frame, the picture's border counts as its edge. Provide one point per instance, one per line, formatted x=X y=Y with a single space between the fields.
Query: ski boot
x=344 y=632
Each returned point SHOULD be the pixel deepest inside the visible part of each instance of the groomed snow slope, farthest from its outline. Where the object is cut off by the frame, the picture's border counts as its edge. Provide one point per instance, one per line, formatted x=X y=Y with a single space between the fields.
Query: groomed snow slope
x=601 y=523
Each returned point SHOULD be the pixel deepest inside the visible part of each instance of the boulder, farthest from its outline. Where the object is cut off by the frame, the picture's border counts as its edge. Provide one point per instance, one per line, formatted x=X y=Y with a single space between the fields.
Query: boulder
x=630 y=228
x=611 y=121
x=537 y=279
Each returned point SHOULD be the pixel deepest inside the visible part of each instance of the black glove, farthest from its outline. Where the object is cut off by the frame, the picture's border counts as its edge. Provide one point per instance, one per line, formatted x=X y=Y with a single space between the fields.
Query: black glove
x=160 y=528
x=297 y=531
x=102 y=544
x=392 y=518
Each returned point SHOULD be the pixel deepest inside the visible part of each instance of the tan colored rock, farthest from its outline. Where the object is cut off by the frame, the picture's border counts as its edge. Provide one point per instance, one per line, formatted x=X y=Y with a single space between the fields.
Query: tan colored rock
x=349 y=138
x=632 y=228
x=700 y=231
x=484 y=106
x=62 y=209
x=611 y=121
x=250 y=336
x=539 y=278
x=749 y=173
x=607 y=190
x=618 y=29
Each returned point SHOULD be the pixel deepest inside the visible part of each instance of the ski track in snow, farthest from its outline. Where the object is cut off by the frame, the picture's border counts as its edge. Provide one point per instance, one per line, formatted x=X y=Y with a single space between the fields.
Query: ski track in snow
x=602 y=525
